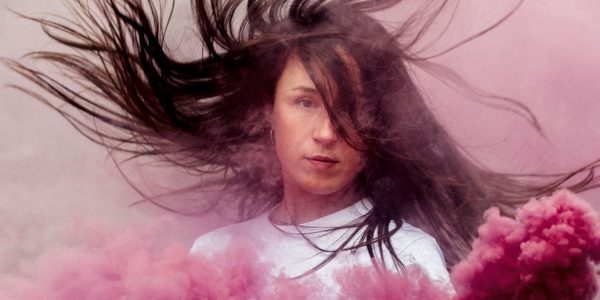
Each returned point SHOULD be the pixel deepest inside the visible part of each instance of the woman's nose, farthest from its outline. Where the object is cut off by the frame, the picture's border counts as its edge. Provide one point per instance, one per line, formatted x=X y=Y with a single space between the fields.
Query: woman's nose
x=325 y=131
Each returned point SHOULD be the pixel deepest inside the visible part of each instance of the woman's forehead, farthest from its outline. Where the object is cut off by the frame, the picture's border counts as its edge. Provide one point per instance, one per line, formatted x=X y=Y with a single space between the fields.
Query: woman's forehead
x=324 y=70
x=295 y=78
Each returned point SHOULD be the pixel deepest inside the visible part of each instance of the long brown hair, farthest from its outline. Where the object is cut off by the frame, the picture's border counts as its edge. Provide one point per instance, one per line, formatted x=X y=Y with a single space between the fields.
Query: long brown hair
x=211 y=115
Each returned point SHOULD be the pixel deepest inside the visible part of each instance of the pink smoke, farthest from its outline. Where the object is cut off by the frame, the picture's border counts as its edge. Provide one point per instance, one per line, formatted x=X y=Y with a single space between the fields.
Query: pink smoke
x=133 y=264
x=545 y=253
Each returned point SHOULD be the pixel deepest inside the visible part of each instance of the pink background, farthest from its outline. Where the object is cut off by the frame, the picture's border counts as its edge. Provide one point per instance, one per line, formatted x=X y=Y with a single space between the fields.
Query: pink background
x=547 y=55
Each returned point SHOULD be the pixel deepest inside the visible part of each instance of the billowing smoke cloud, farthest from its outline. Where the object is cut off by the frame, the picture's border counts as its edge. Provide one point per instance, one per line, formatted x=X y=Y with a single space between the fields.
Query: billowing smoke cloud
x=64 y=208
x=546 y=253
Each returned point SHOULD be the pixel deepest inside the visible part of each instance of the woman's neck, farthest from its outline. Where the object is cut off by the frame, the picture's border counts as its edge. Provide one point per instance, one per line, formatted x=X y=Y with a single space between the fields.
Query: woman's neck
x=298 y=207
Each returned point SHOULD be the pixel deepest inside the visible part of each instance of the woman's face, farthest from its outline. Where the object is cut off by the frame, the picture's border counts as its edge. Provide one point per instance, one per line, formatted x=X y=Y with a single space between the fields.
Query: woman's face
x=313 y=157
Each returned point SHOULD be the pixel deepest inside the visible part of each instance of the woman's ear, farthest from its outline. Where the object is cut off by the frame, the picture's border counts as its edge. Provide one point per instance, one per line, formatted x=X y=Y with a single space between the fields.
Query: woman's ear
x=268 y=119
x=268 y=115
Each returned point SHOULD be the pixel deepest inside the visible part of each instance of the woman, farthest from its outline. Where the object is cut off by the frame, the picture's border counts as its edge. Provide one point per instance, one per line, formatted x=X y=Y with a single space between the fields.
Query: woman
x=321 y=195
x=301 y=113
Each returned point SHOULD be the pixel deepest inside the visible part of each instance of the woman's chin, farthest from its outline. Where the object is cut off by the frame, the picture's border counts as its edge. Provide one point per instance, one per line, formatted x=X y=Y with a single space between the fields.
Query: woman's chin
x=326 y=188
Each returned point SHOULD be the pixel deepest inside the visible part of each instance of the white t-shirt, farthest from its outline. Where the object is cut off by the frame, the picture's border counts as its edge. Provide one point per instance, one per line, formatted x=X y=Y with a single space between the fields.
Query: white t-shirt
x=289 y=254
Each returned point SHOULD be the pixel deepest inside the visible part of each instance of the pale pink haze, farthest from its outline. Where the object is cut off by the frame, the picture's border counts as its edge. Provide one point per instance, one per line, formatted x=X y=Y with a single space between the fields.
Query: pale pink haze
x=319 y=168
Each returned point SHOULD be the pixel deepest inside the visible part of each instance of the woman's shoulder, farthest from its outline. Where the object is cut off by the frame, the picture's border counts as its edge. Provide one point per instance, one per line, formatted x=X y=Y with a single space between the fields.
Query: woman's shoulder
x=410 y=238
x=415 y=247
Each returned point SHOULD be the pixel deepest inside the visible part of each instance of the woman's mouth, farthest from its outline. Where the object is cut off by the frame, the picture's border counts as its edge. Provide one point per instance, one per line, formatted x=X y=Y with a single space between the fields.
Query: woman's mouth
x=322 y=161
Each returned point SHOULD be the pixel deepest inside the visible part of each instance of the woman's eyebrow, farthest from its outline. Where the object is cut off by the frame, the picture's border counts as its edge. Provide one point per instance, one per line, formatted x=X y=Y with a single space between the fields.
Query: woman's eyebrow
x=306 y=89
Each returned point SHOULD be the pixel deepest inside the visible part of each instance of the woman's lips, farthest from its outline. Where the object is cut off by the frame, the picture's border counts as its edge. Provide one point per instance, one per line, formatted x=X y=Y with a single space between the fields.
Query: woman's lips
x=321 y=161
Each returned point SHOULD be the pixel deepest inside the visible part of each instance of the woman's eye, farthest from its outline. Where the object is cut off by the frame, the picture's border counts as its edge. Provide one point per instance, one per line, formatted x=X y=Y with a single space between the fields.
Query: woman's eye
x=306 y=103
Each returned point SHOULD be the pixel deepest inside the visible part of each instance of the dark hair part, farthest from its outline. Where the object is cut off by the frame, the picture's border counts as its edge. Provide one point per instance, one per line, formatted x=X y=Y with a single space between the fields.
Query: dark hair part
x=208 y=114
